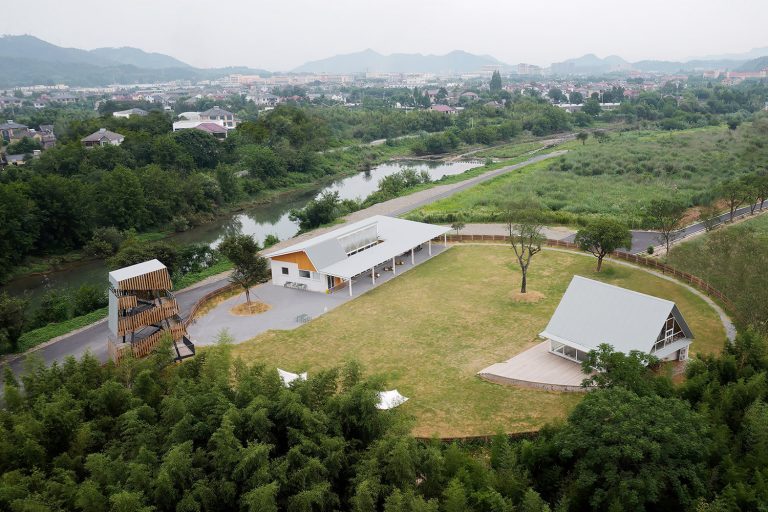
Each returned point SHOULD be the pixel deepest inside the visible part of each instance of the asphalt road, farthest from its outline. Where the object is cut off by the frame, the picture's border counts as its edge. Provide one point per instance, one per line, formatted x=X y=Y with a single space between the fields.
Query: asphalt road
x=94 y=338
x=641 y=240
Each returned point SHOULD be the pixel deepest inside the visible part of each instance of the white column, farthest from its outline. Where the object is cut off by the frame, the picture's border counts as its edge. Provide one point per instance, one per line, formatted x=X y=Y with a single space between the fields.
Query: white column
x=350 y=286
x=430 y=247
x=413 y=258
x=373 y=275
x=445 y=239
x=394 y=272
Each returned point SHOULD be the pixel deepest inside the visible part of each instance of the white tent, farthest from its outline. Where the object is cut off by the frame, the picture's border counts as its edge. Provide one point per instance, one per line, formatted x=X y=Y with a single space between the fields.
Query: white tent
x=288 y=377
x=390 y=399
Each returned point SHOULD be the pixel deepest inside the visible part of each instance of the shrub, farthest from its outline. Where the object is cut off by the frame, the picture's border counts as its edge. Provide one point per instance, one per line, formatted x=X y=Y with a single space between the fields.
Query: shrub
x=55 y=306
x=104 y=242
x=89 y=298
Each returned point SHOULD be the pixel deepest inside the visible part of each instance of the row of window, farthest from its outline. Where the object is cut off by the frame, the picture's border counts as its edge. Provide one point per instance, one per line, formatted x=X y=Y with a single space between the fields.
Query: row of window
x=302 y=273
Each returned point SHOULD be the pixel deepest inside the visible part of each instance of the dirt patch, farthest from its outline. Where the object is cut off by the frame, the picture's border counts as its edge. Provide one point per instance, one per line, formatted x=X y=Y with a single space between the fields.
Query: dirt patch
x=531 y=296
x=246 y=309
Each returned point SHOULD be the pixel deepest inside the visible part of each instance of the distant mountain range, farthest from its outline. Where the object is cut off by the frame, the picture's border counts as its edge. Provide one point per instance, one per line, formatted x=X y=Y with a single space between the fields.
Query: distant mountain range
x=27 y=60
x=590 y=64
x=371 y=61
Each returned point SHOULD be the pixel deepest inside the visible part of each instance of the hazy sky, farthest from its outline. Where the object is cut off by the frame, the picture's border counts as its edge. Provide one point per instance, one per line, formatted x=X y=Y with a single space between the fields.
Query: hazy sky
x=282 y=34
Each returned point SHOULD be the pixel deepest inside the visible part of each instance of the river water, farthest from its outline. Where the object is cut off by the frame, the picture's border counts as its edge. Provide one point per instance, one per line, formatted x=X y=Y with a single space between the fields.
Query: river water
x=259 y=221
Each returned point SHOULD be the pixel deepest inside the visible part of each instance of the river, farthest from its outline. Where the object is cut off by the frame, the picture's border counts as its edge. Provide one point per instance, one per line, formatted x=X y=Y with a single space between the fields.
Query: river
x=259 y=221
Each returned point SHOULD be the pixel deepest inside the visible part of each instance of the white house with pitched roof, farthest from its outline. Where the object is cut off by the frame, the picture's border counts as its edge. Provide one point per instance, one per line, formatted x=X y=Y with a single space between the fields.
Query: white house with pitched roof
x=592 y=313
x=333 y=260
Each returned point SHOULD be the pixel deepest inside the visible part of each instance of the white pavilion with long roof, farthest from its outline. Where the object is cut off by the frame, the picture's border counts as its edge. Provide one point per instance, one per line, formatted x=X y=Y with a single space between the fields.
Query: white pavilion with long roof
x=333 y=260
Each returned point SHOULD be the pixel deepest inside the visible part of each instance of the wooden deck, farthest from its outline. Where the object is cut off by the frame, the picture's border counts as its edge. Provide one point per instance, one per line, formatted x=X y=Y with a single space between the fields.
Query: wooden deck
x=537 y=368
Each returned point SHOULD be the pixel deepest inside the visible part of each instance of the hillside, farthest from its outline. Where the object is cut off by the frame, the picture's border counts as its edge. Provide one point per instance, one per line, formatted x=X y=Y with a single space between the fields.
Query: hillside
x=755 y=64
x=591 y=64
x=27 y=60
x=139 y=58
x=371 y=61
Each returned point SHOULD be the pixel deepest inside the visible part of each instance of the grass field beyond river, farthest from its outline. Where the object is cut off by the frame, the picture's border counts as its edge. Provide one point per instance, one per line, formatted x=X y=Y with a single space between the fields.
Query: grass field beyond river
x=430 y=331
x=618 y=177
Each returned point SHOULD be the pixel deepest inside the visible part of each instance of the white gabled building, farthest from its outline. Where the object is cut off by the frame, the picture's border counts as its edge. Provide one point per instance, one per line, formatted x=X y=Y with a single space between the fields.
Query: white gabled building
x=333 y=260
x=592 y=313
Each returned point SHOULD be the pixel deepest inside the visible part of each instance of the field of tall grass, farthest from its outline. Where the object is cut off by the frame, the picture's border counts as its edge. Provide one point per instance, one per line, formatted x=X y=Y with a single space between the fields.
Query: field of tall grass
x=618 y=177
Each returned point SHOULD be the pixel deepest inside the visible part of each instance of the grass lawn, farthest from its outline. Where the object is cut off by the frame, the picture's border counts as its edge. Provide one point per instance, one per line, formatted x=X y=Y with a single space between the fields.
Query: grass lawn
x=429 y=332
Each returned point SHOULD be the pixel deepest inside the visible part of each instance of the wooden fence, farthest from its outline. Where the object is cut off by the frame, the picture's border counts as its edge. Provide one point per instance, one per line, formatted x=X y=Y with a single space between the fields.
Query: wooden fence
x=514 y=436
x=190 y=318
x=632 y=258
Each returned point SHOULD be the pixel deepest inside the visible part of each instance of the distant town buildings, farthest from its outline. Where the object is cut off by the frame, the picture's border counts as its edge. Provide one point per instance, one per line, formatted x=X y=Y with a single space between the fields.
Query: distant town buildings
x=12 y=132
x=103 y=137
x=125 y=114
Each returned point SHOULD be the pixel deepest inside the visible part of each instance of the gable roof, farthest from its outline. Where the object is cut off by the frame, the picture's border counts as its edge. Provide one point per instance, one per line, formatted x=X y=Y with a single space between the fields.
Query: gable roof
x=216 y=112
x=131 y=111
x=591 y=313
x=10 y=125
x=395 y=236
x=102 y=134
x=210 y=127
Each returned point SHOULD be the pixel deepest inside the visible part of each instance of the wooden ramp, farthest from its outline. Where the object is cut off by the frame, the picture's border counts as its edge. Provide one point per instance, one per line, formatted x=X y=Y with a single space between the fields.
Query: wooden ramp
x=537 y=368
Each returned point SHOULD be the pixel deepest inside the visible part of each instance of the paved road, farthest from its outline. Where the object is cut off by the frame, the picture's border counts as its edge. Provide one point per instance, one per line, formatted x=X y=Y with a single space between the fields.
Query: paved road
x=94 y=338
x=641 y=240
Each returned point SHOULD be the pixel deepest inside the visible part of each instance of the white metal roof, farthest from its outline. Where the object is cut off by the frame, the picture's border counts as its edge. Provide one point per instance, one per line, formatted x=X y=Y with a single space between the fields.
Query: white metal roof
x=138 y=269
x=396 y=237
x=591 y=313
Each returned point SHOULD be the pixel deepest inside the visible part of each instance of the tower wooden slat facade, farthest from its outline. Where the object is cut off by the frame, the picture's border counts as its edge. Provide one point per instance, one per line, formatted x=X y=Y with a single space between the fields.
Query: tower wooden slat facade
x=142 y=311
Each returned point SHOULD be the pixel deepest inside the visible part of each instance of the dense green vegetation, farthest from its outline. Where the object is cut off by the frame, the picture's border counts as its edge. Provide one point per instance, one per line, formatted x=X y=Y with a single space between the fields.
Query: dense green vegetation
x=620 y=176
x=214 y=434
x=733 y=259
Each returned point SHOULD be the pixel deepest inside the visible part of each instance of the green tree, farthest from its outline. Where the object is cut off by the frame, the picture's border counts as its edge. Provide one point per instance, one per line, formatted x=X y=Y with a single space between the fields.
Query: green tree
x=603 y=236
x=322 y=210
x=665 y=215
x=556 y=95
x=630 y=452
x=582 y=136
x=734 y=193
x=87 y=298
x=121 y=200
x=592 y=107
x=250 y=268
x=135 y=251
x=202 y=147
x=525 y=235
x=607 y=368
x=18 y=226
x=12 y=320
x=576 y=98
x=458 y=226
x=495 y=84
x=23 y=147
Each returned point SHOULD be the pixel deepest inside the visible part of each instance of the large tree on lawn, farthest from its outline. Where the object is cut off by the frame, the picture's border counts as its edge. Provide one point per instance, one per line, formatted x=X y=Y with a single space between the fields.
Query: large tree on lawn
x=524 y=230
x=250 y=268
x=603 y=236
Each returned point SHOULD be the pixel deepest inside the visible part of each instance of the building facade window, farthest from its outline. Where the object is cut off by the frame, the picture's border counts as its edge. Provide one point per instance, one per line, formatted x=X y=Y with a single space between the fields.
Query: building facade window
x=285 y=271
x=305 y=274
